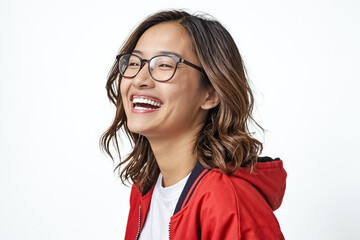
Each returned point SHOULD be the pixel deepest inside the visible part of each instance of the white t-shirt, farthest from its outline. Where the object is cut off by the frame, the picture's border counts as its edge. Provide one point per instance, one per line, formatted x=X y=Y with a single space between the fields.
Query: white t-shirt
x=162 y=207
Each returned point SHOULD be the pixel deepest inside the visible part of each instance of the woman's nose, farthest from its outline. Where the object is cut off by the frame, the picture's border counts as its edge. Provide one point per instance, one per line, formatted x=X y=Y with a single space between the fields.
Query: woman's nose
x=143 y=79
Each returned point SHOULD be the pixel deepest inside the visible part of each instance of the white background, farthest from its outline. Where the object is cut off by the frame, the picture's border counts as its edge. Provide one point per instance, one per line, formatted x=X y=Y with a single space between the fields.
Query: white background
x=303 y=60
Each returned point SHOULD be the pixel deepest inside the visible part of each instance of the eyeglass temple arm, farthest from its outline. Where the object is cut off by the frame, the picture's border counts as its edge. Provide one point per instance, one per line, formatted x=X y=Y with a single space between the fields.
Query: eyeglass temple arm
x=192 y=65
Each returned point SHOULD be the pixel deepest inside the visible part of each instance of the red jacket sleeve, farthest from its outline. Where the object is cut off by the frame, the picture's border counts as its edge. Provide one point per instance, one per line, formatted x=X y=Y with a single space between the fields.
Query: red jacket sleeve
x=237 y=212
x=220 y=217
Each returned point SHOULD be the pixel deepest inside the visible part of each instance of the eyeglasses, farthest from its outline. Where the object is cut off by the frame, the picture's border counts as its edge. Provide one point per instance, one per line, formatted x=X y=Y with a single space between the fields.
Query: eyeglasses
x=161 y=68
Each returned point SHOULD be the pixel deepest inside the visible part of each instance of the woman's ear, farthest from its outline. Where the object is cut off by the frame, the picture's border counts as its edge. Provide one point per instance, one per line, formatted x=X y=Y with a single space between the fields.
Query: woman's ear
x=211 y=99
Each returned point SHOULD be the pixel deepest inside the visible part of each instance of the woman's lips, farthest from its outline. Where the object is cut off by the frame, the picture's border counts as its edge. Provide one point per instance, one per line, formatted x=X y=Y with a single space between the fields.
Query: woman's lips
x=144 y=104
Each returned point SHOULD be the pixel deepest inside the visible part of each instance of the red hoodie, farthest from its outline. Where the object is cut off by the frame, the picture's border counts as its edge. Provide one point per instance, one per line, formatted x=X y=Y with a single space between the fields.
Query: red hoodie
x=213 y=205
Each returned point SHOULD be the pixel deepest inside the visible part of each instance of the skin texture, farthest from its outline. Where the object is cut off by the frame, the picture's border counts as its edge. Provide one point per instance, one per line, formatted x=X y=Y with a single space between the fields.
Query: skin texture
x=172 y=129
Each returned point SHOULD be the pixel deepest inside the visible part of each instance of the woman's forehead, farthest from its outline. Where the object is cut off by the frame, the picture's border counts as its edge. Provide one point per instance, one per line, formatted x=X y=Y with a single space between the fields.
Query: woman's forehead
x=165 y=38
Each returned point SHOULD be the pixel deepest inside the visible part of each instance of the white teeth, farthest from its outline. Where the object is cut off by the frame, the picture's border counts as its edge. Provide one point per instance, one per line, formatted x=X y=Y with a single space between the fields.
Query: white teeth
x=142 y=108
x=146 y=101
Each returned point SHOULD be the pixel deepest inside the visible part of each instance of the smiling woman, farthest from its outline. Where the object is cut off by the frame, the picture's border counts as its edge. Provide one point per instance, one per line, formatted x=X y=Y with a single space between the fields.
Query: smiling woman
x=182 y=97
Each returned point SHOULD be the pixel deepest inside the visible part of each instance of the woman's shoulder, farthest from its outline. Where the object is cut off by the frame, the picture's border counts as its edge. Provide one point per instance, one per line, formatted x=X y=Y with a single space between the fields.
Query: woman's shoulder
x=220 y=188
x=264 y=185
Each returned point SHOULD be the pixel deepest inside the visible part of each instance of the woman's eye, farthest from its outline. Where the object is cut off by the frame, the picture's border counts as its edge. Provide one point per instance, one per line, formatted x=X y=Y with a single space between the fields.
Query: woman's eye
x=164 y=65
x=133 y=64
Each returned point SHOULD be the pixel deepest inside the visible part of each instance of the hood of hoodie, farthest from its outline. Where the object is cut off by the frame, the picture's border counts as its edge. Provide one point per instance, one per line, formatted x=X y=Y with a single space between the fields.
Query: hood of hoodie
x=269 y=178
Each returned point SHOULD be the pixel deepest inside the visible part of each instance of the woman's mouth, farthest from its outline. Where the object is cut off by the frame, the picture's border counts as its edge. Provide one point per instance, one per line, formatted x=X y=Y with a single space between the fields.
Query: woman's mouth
x=145 y=104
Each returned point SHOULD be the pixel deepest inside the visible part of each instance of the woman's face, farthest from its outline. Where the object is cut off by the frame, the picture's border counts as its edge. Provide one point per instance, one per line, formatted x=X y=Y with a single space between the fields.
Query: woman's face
x=179 y=111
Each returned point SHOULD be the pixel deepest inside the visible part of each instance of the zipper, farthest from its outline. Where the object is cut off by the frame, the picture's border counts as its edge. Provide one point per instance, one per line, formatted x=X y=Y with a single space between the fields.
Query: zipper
x=169 y=229
x=139 y=226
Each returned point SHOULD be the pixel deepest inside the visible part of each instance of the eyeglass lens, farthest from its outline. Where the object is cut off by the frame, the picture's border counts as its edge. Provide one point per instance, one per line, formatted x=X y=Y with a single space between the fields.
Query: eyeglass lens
x=161 y=68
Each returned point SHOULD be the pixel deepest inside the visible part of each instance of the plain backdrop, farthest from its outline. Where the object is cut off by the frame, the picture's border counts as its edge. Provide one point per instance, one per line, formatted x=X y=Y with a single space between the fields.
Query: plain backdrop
x=303 y=62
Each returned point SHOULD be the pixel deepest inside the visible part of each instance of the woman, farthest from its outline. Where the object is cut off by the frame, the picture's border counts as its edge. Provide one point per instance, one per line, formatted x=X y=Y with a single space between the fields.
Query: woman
x=183 y=99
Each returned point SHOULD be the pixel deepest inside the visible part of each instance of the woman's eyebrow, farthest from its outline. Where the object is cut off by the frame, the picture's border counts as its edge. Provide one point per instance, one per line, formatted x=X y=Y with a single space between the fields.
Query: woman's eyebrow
x=159 y=53
x=137 y=51
x=170 y=53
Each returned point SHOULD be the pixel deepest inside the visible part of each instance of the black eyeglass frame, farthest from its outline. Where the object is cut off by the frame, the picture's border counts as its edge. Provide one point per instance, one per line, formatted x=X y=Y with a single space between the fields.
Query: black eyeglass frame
x=143 y=61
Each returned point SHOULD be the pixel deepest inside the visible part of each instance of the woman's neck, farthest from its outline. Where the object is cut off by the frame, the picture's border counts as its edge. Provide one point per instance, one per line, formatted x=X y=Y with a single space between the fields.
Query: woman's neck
x=175 y=157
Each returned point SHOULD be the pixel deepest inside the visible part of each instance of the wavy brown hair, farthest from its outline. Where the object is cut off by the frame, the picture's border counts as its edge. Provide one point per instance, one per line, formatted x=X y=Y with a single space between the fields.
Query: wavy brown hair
x=225 y=141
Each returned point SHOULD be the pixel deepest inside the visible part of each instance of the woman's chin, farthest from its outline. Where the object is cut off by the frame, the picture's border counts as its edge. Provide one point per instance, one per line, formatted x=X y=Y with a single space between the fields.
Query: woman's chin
x=140 y=129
